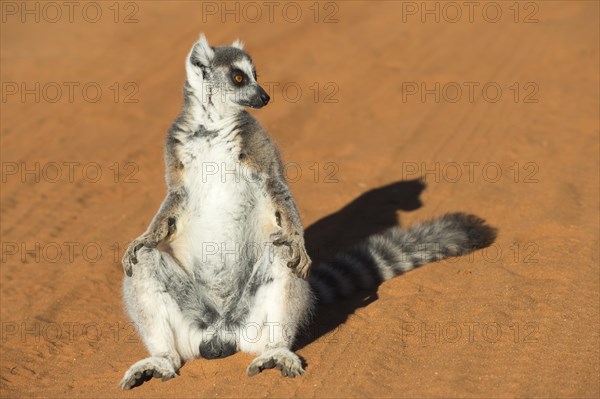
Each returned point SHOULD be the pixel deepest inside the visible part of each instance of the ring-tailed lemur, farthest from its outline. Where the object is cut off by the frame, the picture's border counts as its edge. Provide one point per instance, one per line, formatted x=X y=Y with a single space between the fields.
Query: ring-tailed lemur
x=222 y=266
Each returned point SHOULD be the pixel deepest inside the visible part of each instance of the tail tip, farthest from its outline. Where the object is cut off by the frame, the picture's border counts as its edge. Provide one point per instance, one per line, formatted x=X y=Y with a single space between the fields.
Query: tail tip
x=479 y=233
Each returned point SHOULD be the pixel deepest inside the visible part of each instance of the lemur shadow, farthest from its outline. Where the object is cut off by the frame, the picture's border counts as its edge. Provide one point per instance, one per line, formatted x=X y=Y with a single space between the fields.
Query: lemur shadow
x=368 y=214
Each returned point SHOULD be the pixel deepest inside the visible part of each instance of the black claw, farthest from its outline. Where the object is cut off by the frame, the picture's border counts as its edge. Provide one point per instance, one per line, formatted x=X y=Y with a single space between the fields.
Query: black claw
x=280 y=242
x=294 y=263
x=171 y=225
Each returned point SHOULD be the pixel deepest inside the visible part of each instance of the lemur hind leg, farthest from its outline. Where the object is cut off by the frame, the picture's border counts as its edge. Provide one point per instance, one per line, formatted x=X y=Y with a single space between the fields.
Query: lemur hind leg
x=281 y=308
x=153 y=310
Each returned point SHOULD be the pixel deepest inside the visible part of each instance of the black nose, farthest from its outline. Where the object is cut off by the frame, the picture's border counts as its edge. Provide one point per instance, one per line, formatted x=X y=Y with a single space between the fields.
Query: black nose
x=265 y=98
x=215 y=349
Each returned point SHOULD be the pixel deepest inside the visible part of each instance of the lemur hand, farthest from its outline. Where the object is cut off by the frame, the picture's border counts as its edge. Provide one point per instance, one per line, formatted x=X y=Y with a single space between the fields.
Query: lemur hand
x=157 y=233
x=299 y=261
x=130 y=256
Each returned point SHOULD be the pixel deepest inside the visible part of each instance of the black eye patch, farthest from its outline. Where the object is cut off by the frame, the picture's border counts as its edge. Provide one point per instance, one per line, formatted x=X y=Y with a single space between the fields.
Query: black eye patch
x=238 y=77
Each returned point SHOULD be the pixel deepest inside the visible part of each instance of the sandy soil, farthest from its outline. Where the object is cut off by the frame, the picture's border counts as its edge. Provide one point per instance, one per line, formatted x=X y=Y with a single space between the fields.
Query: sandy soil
x=81 y=178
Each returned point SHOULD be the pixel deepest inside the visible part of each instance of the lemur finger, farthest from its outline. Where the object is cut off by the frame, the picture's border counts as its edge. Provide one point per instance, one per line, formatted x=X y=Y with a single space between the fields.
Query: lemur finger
x=171 y=226
x=294 y=262
x=134 y=259
x=281 y=241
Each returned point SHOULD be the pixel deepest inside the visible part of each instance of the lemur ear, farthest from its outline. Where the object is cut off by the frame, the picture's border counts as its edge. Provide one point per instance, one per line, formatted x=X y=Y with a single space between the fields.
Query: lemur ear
x=238 y=44
x=202 y=53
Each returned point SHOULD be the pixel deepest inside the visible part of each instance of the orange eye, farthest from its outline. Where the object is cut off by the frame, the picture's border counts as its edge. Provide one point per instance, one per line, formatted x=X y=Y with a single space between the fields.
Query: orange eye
x=238 y=78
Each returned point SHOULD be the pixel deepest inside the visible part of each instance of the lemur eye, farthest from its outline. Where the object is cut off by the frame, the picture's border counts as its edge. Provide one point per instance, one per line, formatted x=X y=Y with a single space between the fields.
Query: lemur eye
x=238 y=77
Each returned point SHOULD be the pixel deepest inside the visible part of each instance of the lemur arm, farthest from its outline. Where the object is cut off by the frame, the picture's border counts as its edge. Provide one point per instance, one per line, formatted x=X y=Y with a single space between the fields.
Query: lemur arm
x=291 y=233
x=161 y=228
x=260 y=154
x=163 y=224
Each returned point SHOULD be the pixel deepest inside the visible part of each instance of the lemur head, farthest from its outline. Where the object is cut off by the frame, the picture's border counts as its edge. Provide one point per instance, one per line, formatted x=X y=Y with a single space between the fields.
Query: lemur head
x=224 y=77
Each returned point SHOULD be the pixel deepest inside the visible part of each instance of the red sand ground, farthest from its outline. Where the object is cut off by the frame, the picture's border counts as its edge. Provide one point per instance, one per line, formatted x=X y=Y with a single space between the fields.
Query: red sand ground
x=520 y=319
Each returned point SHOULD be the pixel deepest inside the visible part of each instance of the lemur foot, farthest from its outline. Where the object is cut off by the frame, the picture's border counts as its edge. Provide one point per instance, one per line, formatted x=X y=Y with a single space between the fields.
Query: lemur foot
x=282 y=359
x=299 y=261
x=145 y=370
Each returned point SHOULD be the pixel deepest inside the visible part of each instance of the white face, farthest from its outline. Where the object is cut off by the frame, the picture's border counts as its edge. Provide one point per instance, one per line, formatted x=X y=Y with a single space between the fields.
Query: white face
x=224 y=78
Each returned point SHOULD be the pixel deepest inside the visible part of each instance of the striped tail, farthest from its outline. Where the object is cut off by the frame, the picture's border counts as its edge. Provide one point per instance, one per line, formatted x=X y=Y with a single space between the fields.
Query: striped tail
x=394 y=251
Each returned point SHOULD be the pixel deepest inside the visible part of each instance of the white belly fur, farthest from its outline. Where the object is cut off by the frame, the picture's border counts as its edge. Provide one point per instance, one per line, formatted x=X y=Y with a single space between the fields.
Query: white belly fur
x=228 y=214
